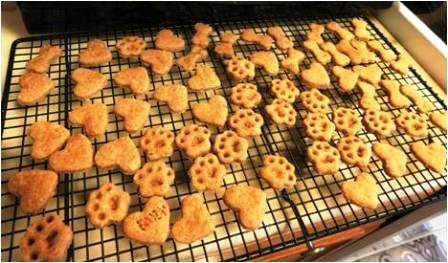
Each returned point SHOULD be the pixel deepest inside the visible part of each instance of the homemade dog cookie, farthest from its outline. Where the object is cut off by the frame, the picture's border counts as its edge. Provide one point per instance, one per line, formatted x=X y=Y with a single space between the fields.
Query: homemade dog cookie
x=315 y=33
x=194 y=140
x=160 y=61
x=315 y=77
x=368 y=94
x=107 y=205
x=136 y=79
x=246 y=122
x=340 y=31
x=363 y=191
x=134 y=113
x=291 y=63
x=285 y=89
x=206 y=173
x=423 y=104
x=157 y=143
x=401 y=65
x=213 y=112
x=347 y=79
x=205 y=78
x=229 y=147
x=396 y=98
x=88 y=82
x=356 y=56
x=166 y=40
x=394 y=160
x=154 y=178
x=379 y=122
x=130 y=46
x=314 y=101
x=150 y=226
x=281 y=40
x=281 y=112
x=367 y=56
x=324 y=157
x=225 y=48
x=354 y=151
x=46 y=239
x=175 y=95
x=318 y=126
x=195 y=222
x=121 y=152
x=200 y=38
x=35 y=188
x=266 y=60
x=320 y=55
x=93 y=117
x=34 y=87
x=46 y=138
x=249 y=36
x=347 y=121
x=413 y=124
x=188 y=62
x=386 y=54
x=278 y=172
x=245 y=95
x=240 y=68
x=47 y=55
x=77 y=156
x=371 y=73
x=438 y=119
x=432 y=155
x=249 y=202
x=337 y=57
x=97 y=53
x=361 y=31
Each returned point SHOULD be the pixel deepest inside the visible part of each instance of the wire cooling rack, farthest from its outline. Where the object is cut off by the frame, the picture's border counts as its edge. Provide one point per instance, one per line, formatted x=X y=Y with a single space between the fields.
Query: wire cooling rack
x=312 y=209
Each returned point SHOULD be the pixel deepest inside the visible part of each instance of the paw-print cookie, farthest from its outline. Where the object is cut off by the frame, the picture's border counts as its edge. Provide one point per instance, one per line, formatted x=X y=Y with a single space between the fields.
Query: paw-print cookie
x=285 y=89
x=154 y=178
x=93 y=117
x=318 y=126
x=206 y=173
x=240 y=68
x=347 y=121
x=363 y=191
x=278 y=172
x=107 y=205
x=413 y=123
x=134 y=113
x=314 y=101
x=160 y=61
x=281 y=112
x=194 y=140
x=157 y=143
x=354 y=151
x=266 y=60
x=324 y=157
x=136 y=79
x=34 y=87
x=88 y=82
x=121 y=152
x=131 y=46
x=245 y=95
x=230 y=147
x=97 y=53
x=47 y=138
x=246 y=122
x=379 y=122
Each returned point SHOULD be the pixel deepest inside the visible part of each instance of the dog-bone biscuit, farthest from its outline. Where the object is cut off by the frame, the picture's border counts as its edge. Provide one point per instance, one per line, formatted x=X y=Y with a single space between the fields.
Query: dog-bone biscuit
x=347 y=121
x=394 y=160
x=278 y=172
x=285 y=89
x=368 y=100
x=379 y=122
x=195 y=222
x=204 y=79
x=245 y=95
x=229 y=37
x=240 y=68
x=200 y=38
x=347 y=79
x=320 y=55
x=207 y=173
x=154 y=178
x=281 y=112
x=188 y=62
x=340 y=31
x=338 y=57
x=432 y=155
x=315 y=33
x=371 y=73
x=136 y=79
x=363 y=191
x=281 y=40
x=249 y=202
x=121 y=152
x=194 y=140
x=246 y=122
x=438 y=119
x=34 y=187
x=356 y=56
x=230 y=147
x=318 y=126
x=47 y=55
x=96 y=53
x=76 y=156
x=46 y=239
x=396 y=98
x=47 y=138
x=175 y=95
x=225 y=48
x=413 y=123
x=361 y=31
x=160 y=61
x=88 y=82
x=213 y=112
x=324 y=157
x=134 y=113
x=354 y=151
x=157 y=143
x=249 y=36
x=367 y=56
x=401 y=65
x=386 y=54
x=314 y=101
x=107 y=205
x=291 y=63
x=266 y=60
x=315 y=77
x=130 y=46
x=34 y=87
x=166 y=40
x=93 y=117
x=423 y=104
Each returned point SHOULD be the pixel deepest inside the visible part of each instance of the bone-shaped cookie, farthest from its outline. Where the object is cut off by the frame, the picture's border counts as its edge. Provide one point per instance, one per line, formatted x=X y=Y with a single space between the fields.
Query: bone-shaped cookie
x=432 y=155
x=356 y=56
x=396 y=98
x=188 y=62
x=292 y=61
x=315 y=33
x=281 y=40
x=347 y=79
x=401 y=65
x=225 y=48
x=213 y=112
x=97 y=53
x=338 y=57
x=175 y=95
x=120 y=152
x=320 y=55
x=368 y=100
x=249 y=36
x=371 y=73
x=361 y=31
x=363 y=191
x=34 y=87
x=438 y=119
x=423 y=104
x=41 y=63
x=367 y=56
x=200 y=38
x=266 y=60
x=47 y=138
x=76 y=156
x=340 y=31
x=386 y=54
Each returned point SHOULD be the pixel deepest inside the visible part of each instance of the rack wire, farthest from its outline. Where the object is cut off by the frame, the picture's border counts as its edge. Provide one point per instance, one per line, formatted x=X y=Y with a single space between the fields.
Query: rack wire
x=312 y=209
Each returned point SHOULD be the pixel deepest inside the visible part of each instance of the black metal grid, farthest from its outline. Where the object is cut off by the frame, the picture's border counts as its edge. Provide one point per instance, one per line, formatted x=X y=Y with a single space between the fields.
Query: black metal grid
x=312 y=209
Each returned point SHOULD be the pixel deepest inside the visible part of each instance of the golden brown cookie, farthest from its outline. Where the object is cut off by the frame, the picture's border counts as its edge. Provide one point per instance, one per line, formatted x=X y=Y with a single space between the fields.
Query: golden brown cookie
x=34 y=87
x=396 y=98
x=136 y=79
x=413 y=123
x=281 y=40
x=423 y=104
x=246 y=122
x=315 y=33
x=225 y=48
x=200 y=38
x=47 y=138
x=371 y=73
x=88 y=82
x=347 y=121
x=230 y=147
x=207 y=173
x=321 y=56
x=281 y=112
x=292 y=62
x=285 y=89
x=249 y=36
x=205 y=78
x=134 y=113
x=379 y=122
x=130 y=46
x=160 y=61
x=368 y=97
x=354 y=151
x=77 y=156
x=188 y=62
x=157 y=143
x=245 y=95
x=121 y=152
x=278 y=172
x=401 y=65
x=347 y=79
x=93 y=117
x=337 y=57
x=394 y=160
x=356 y=56
x=318 y=126
x=438 y=119
x=314 y=101
x=154 y=178
x=97 y=53
x=324 y=157
x=266 y=60
x=47 y=55
x=166 y=40
x=361 y=31
x=175 y=95
x=315 y=77
x=432 y=155
x=366 y=55
x=363 y=191
x=240 y=68
x=213 y=112
x=340 y=31
x=194 y=140
x=386 y=54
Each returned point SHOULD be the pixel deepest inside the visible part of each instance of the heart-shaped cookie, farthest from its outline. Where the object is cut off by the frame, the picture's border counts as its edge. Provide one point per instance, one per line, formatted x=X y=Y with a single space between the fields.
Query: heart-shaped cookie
x=136 y=79
x=152 y=225
x=249 y=201
x=33 y=88
x=433 y=155
x=134 y=113
x=34 y=187
x=316 y=77
x=93 y=117
x=97 y=53
x=77 y=155
x=166 y=40
x=47 y=138
x=121 y=152
x=88 y=82
x=362 y=192
x=176 y=96
x=213 y=112
x=195 y=223
x=204 y=79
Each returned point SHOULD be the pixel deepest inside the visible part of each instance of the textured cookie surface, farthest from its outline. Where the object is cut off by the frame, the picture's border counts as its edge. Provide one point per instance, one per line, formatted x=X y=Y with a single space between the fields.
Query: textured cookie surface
x=379 y=122
x=246 y=122
x=230 y=147
x=324 y=157
x=413 y=123
x=278 y=172
x=394 y=160
x=318 y=126
x=154 y=178
x=176 y=96
x=396 y=98
x=97 y=53
x=134 y=113
x=206 y=173
x=354 y=151
x=347 y=79
x=266 y=60
x=439 y=119
x=347 y=121
x=166 y=40
x=432 y=155
x=281 y=112
x=194 y=140
x=285 y=89
x=160 y=61
x=213 y=112
x=315 y=77
x=363 y=191
x=33 y=88
x=136 y=79
x=76 y=156
x=93 y=117
x=204 y=79
x=130 y=46
x=314 y=101
x=245 y=95
x=240 y=68
x=292 y=62
x=120 y=152
x=88 y=82
x=157 y=143
x=41 y=63
x=47 y=138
